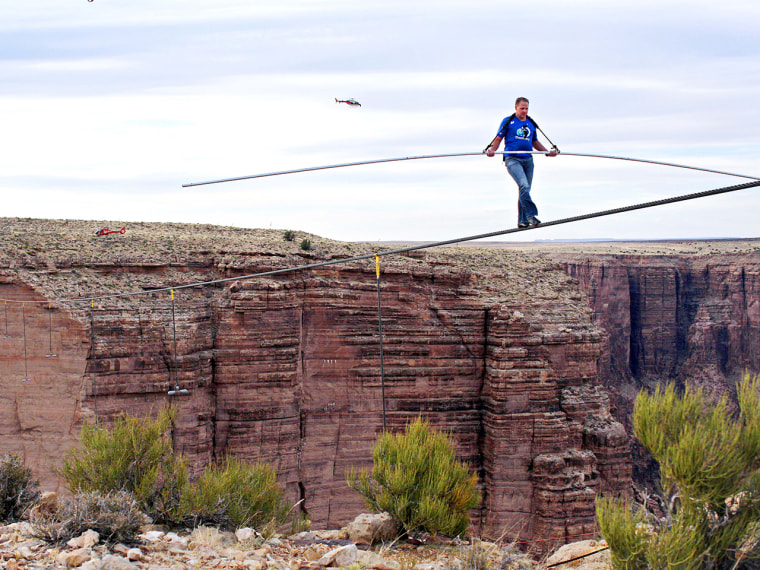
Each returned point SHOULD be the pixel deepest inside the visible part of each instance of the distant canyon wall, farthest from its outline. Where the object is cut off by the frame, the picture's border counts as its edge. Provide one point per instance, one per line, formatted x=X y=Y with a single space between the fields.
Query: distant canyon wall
x=689 y=319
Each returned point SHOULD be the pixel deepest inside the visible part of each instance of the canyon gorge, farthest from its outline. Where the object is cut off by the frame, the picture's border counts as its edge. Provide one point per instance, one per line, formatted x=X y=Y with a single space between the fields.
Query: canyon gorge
x=528 y=357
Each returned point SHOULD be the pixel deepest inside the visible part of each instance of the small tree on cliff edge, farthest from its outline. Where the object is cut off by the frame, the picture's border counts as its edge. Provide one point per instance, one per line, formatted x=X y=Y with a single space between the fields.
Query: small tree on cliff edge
x=710 y=470
x=417 y=479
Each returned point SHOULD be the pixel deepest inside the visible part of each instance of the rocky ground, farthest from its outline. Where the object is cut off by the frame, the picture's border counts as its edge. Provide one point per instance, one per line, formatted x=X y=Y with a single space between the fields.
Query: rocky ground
x=207 y=547
x=65 y=260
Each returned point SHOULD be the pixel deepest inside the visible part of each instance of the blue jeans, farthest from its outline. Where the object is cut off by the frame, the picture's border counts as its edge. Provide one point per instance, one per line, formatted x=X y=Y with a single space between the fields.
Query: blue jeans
x=521 y=170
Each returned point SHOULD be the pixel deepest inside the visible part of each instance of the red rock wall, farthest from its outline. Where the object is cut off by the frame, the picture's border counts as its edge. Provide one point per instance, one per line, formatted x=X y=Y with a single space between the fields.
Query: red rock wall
x=287 y=370
x=40 y=394
x=673 y=317
x=692 y=319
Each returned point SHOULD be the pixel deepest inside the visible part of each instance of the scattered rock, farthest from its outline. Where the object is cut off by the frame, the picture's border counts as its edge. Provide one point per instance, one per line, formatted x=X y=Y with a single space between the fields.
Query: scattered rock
x=135 y=554
x=582 y=555
x=152 y=535
x=108 y=562
x=120 y=549
x=87 y=539
x=375 y=561
x=47 y=504
x=341 y=556
x=75 y=558
x=247 y=534
x=208 y=547
x=371 y=528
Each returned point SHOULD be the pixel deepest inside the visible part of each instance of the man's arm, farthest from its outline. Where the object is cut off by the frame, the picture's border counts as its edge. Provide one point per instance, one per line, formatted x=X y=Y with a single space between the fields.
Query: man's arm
x=538 y=146
x=494 y=146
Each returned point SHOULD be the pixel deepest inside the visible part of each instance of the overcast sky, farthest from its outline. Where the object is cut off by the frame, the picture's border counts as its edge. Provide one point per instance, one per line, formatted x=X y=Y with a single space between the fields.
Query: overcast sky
x=108 y=107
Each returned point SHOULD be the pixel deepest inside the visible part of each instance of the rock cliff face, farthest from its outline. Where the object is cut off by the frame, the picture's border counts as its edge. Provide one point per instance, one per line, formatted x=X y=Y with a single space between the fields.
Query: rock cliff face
x=691 y=318
x=497 y=348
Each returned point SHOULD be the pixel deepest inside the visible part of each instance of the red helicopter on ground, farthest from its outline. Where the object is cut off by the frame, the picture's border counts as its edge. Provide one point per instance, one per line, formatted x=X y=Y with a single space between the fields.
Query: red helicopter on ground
x=106 y=231
x=352 y=102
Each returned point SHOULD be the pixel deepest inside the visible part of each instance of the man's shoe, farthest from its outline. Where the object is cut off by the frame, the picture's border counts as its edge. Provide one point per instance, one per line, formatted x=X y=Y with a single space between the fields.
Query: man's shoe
x=534 y=221
x=522 y=225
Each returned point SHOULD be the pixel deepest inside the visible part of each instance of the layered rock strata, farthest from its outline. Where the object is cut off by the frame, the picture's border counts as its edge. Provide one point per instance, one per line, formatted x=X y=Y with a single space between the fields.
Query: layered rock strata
x=692 y=319
x=497 y=348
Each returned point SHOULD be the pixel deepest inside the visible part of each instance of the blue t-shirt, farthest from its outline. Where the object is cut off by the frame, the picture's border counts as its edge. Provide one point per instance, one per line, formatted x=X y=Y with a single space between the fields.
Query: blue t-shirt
x=517 y=135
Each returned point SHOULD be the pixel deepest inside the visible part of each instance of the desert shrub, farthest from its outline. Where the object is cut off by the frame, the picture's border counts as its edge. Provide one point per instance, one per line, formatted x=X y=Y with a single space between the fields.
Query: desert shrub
x=236 y=494
x=625 y=532
x=289 y=235
x=301 y=522
x=116 y=517
x=133 y=455
x=417 y=479
x=306 y=244
x=18 y=489
x=489 y=556
x=710 y=475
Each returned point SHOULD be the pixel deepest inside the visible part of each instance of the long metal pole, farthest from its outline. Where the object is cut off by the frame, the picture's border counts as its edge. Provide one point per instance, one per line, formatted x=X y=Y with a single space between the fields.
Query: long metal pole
x=450 y=155
x=327 y=167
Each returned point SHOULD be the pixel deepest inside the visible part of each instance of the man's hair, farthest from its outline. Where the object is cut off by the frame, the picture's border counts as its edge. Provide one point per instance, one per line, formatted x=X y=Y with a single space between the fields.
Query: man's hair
x=521 y=100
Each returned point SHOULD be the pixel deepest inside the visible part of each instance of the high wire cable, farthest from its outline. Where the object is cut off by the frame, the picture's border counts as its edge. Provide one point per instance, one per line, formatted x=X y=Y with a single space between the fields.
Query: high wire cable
x=631 y=208
x=450 y=155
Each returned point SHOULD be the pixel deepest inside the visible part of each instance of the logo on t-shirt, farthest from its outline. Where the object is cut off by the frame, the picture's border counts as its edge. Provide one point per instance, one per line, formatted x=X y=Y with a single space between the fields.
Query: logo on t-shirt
x=523 y=132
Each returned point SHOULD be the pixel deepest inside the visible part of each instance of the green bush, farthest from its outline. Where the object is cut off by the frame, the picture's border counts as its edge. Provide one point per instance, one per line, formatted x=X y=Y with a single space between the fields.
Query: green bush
x=306 y=244
x=710 y=474
x=134 y=455
x=289 y=235
x=417 y=479
x=116 y=517
x=236 y=494
x=18 y=490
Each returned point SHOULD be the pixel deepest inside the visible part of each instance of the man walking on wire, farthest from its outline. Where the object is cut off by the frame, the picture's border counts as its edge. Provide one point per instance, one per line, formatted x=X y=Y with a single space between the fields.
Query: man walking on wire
x=519 y=133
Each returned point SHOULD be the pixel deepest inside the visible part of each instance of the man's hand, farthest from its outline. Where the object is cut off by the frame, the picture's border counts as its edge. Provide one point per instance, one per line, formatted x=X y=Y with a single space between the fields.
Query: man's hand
x=553 y=152
x=490 y=151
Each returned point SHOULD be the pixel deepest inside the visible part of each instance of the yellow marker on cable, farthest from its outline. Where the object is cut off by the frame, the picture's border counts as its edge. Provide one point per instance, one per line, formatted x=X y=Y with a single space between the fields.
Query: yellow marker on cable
x=377 y=265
